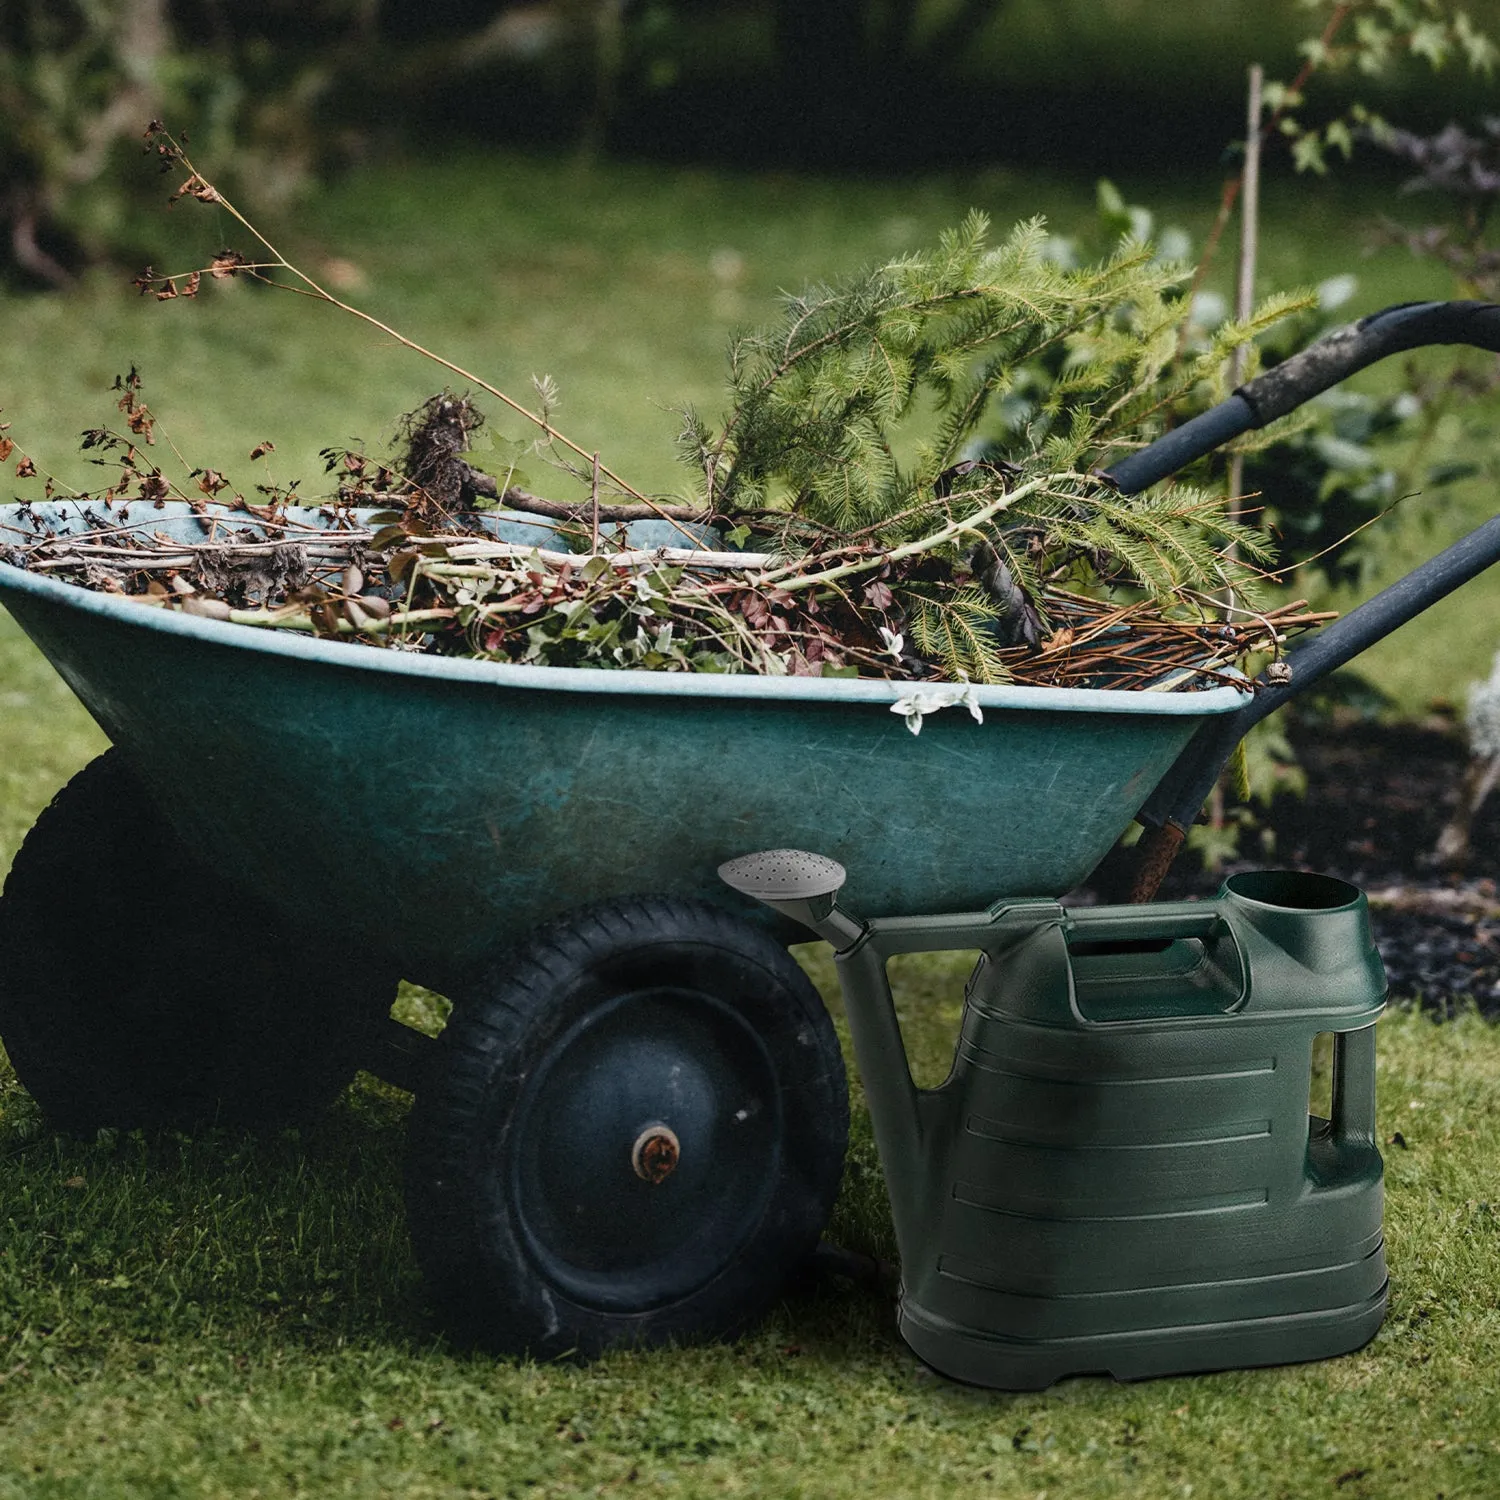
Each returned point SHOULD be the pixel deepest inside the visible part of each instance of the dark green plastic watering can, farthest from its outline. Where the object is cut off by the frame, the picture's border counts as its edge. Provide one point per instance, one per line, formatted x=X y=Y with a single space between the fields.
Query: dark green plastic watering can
x=1121 y=1172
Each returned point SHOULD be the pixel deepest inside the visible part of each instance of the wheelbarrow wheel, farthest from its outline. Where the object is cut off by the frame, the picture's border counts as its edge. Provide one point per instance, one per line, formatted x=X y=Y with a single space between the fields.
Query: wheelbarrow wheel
x=636 y=1135
x=138 y=990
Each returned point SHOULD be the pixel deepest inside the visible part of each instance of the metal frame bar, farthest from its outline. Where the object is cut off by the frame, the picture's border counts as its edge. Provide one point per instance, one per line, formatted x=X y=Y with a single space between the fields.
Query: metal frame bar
x=1186 y=786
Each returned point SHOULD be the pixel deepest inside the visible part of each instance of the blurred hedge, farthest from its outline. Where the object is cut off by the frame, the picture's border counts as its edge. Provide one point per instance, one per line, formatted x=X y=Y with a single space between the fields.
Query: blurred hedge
x=278 y=93
x=883 y=84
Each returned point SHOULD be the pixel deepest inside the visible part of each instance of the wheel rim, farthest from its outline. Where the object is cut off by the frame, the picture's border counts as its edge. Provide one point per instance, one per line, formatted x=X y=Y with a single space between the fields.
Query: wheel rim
x=645 y=1148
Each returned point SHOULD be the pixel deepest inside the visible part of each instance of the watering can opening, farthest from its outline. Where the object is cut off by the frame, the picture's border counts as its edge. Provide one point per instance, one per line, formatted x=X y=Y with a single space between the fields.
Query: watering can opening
x=1295 y=890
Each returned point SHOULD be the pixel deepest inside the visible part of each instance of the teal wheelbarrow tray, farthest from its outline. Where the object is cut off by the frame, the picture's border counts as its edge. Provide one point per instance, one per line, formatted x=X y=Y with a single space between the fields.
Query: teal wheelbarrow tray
x=632 y=1127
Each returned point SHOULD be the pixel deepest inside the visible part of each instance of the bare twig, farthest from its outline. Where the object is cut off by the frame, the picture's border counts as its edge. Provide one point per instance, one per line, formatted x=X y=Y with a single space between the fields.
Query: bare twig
x=199 y=187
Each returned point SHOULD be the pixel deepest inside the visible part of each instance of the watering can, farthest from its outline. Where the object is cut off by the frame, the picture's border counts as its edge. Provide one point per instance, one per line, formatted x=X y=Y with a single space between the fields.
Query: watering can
x=1121 y=1172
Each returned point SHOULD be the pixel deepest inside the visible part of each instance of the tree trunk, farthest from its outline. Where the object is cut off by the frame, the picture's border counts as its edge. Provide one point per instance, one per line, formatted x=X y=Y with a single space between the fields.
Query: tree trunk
x=1452 y=847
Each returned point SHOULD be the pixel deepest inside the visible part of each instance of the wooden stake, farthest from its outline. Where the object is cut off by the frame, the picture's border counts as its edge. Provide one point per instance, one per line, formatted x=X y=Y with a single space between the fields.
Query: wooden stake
x=1244 y=305
x=1244 y=299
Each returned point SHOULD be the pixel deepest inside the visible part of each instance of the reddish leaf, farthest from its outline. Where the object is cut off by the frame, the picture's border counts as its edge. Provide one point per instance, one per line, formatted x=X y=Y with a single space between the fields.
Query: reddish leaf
x=141 y=423
x=225 y=263
x=25 y=469
x=196 y=187
x=755 y=609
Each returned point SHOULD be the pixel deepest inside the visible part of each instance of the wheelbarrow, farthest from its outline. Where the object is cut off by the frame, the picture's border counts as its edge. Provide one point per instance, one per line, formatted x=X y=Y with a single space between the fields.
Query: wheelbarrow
x=632 y=1127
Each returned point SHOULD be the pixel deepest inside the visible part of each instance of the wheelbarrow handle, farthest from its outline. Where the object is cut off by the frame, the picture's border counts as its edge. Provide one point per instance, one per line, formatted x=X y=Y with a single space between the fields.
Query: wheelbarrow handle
x=1174 y=804
x=1319 y=367
x=1184 y=789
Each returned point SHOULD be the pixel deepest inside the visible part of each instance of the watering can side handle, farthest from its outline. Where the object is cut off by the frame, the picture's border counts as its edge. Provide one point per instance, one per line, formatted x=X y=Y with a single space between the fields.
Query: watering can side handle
x=957 y=932
x=1318 y=368
x=1123 y=924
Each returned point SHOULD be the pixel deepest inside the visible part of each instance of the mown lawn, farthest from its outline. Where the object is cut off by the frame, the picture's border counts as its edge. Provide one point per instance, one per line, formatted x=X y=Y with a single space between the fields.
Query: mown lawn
x=225 y=1316
x=230 y=1316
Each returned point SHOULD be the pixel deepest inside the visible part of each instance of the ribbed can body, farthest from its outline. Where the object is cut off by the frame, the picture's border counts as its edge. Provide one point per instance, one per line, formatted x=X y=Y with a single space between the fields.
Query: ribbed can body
x=1122 y=1173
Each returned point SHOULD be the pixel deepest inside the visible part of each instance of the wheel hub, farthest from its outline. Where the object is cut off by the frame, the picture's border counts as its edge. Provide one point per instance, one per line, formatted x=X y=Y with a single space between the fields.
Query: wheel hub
x=645 y=1147
x=655 y=1154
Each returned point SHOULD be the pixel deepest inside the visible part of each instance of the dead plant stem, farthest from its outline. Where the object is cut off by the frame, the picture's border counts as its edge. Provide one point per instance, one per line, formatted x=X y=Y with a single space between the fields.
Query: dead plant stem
x=315 y=289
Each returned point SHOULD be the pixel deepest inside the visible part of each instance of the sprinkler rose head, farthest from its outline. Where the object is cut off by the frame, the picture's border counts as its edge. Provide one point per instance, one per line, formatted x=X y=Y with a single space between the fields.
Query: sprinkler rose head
x=799 y=885
x=783 y=875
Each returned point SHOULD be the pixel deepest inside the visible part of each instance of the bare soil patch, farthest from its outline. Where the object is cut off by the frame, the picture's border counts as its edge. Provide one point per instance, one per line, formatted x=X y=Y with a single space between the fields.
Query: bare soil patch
x=1377 y=797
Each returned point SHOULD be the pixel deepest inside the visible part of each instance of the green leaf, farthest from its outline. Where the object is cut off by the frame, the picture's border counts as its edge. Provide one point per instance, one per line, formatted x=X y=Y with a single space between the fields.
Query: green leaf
x=1430 y=39
x=1307 y=155
x=1337 y=135
x=1479 y=51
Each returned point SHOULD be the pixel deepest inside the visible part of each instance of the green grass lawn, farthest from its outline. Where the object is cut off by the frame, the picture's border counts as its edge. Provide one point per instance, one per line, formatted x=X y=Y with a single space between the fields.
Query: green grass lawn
x=225 y=1316
x=230 y=1316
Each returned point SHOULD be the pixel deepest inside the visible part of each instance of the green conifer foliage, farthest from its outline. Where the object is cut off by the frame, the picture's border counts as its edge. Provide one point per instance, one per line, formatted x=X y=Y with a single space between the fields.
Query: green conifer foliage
x=988 y=383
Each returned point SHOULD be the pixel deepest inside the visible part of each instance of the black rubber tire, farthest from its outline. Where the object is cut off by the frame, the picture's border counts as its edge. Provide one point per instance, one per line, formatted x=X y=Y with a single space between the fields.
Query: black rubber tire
x=137 y=989
x=534 y=1228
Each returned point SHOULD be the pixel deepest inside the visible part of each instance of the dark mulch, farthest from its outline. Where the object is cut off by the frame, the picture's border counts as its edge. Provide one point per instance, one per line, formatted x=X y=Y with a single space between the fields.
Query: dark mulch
x=1377 y=797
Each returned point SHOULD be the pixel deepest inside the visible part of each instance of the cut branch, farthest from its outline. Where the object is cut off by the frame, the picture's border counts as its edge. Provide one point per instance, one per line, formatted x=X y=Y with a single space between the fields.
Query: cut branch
x=519 y=499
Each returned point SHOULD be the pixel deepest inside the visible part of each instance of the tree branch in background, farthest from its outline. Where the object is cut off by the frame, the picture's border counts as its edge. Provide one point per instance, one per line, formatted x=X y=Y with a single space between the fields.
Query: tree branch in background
x=961 y=28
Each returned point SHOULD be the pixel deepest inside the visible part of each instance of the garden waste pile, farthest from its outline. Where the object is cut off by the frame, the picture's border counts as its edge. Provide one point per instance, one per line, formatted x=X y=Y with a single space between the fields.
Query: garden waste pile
x=908 y=482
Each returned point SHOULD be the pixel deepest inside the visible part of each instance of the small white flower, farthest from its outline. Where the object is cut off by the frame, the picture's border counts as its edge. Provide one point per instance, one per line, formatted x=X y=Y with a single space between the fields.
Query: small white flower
x=1483 y=717
x=928 y=700
x=895 y=643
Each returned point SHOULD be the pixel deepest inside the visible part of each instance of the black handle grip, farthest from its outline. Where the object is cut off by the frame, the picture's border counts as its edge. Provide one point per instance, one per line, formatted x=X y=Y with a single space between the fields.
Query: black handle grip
x=1318 y=368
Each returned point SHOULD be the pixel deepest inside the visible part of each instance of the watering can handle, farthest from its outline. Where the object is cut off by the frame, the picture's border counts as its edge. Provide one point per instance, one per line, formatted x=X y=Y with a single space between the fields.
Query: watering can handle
x=1123 y=924
x=1318 y=368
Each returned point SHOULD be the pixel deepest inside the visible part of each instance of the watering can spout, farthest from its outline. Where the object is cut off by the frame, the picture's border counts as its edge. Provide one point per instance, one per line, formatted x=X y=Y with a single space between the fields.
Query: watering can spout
x=805 y=887
x=799 y=885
